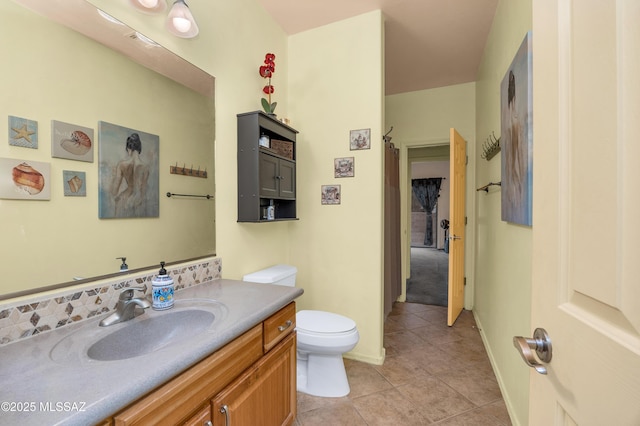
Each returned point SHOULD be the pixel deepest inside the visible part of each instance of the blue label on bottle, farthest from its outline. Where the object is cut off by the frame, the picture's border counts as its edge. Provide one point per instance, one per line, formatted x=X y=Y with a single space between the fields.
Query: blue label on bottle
x=162 y=294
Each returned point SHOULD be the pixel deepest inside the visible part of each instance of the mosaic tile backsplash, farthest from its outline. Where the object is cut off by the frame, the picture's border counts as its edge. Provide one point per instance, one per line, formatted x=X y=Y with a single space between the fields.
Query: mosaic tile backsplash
x=29 y=317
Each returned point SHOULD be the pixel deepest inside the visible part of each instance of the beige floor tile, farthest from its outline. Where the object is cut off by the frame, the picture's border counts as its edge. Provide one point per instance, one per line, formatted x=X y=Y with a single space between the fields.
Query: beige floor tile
x=343 y=414
x=364 y=379
x=497 y=409
x=433 y=374
x=434 y=399
x=399 y=370
x=478 y=387
x=388 y=408
x=309 y=402
x=409 y=321
x=475 y=417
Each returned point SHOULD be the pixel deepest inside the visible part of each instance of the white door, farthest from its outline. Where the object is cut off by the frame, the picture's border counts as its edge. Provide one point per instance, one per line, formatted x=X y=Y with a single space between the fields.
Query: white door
x=586 y=215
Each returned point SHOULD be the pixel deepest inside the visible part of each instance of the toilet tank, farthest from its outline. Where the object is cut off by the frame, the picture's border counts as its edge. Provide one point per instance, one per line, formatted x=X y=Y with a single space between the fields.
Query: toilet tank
x=277 y=274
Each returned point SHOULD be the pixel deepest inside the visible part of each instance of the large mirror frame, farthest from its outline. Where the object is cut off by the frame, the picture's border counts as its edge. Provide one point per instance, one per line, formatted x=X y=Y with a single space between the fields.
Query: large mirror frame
x=82 y=16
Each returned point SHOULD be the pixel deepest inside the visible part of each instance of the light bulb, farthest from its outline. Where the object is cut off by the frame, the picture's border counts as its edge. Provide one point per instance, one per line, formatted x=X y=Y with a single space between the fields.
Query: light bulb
x=149 y=6
x=180 y=21
x=149 y=3
x=182 y=24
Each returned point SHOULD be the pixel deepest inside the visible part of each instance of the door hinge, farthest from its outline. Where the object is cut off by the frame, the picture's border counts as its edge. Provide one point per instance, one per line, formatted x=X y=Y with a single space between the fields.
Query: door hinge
x=465 y=220
x=466 y=161
x=464 y=282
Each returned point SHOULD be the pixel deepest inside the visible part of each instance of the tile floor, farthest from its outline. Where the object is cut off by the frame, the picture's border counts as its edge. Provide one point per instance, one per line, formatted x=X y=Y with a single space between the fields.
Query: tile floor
x=432 y=375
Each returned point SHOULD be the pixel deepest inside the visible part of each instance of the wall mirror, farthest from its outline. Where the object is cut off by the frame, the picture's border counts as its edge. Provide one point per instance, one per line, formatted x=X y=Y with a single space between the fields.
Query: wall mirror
x=72 y=65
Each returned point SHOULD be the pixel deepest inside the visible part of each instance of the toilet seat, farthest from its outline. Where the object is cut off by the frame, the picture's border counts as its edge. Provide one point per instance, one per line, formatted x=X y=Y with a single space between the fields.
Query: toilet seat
x=323 y=323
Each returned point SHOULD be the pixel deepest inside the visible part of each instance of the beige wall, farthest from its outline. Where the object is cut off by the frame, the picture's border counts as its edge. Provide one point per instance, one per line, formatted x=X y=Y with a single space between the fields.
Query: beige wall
x=52 y=73
x=503 y=250
x=423 y=119
x=234 y=38
x=338 y=248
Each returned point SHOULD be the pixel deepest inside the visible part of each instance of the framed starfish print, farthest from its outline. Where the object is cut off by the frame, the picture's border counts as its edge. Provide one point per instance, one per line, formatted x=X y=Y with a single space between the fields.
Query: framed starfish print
x=23 y=132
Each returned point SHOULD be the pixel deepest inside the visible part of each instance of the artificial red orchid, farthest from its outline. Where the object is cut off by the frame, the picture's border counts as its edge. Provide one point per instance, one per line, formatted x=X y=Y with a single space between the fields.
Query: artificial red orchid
x=266 y=71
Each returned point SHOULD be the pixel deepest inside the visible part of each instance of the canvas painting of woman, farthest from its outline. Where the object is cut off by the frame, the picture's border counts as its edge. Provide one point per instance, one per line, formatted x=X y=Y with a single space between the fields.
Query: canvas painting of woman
x=128 y=172
x=517 y=137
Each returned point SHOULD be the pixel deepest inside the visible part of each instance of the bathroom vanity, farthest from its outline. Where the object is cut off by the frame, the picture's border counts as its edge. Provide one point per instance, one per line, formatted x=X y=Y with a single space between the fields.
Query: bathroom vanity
x=240 y=366
x=255 y=370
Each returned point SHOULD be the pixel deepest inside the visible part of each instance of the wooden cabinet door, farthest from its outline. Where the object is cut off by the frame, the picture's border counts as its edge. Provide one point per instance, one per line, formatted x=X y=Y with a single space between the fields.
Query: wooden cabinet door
x=287 y=173
x=265 y=395
x=269 y=172
x=201 y=418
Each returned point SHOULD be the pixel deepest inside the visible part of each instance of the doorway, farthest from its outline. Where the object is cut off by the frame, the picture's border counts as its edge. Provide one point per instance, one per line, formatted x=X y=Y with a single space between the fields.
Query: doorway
x=429 y=259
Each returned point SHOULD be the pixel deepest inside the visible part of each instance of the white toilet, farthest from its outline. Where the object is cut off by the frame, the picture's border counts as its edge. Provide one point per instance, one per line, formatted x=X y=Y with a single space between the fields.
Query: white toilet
x=322 y=339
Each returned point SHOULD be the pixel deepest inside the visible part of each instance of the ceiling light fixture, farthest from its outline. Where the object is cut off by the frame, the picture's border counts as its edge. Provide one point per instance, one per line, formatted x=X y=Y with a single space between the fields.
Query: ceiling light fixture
x=180 y=21
x=149 y=6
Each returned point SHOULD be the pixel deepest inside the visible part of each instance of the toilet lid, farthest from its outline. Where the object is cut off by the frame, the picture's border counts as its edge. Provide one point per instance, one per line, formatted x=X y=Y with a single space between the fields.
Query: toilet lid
x=323 y=322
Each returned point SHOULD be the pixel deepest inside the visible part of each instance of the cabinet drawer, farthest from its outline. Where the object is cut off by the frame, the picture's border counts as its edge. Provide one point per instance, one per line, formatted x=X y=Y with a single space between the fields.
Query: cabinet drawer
x=279 y=325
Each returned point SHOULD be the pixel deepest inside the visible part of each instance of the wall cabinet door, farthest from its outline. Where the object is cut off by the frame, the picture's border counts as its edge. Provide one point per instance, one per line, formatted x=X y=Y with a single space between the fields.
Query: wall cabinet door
x=287 y=179
x=269 y=171
x=277 y=177
x=265 y=395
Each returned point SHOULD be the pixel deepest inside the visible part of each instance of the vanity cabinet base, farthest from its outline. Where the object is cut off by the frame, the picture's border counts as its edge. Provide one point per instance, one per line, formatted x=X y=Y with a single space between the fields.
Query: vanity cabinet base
x=254 y=376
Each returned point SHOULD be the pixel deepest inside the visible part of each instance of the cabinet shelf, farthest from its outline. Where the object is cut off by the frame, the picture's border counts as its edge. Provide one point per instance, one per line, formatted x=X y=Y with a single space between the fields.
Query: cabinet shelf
x=265 y=176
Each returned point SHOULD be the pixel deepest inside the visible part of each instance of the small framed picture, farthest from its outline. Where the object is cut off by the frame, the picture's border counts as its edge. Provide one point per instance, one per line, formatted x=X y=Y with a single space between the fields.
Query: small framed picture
x=25 y=179
x=344 y=167
x=23 y=132
x=71 y=141
x=331 y=194
x=74 y=183
x=360 y=139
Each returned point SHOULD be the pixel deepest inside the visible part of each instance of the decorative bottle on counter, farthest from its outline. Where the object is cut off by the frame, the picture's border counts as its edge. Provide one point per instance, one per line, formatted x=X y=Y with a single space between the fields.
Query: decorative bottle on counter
x=162 y=294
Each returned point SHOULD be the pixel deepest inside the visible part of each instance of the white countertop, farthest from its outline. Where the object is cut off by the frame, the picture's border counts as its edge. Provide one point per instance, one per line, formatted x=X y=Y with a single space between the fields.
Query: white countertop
x=38 y=390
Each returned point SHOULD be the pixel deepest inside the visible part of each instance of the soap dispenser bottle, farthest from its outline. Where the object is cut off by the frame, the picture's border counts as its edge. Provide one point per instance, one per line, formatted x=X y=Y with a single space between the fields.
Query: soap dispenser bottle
x=162 y=294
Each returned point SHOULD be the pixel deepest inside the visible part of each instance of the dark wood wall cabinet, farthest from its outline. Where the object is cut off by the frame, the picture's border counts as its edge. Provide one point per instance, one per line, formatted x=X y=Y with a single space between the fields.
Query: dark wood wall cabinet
x=266 y=169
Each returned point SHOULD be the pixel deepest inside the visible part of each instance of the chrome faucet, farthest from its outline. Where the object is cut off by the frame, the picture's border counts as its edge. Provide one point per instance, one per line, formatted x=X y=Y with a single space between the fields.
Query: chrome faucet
x=125 y=309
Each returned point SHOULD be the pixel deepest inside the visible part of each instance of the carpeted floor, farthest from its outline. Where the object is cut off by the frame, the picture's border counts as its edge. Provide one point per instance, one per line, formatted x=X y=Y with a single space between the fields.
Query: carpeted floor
x=429 y=273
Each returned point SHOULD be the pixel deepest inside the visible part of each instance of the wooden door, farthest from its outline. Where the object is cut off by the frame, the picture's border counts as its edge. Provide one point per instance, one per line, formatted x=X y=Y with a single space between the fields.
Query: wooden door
x=586 y=204
x=458 y=164
x=265 y=394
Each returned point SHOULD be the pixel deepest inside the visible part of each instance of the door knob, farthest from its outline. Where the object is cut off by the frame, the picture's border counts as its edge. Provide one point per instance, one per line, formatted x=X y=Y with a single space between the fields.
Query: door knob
x=540 y=343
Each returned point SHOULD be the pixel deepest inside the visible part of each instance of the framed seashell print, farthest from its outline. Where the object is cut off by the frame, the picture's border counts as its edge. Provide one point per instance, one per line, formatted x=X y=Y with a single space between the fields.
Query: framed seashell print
x=25 y=179
x=71 y=141
x=128 y=172
x=74 y=183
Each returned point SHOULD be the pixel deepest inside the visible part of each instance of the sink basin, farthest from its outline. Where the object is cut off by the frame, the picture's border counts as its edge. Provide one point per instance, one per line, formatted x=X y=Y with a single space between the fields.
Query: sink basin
x=150 y=334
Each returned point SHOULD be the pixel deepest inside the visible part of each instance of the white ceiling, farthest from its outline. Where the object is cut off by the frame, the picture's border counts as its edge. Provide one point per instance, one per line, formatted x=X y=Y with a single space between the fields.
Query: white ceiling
x=428 y=43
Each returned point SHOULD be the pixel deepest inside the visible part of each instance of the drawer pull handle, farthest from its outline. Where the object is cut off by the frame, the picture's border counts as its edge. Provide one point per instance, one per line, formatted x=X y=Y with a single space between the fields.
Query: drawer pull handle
x=285 y=326
x=225 y=410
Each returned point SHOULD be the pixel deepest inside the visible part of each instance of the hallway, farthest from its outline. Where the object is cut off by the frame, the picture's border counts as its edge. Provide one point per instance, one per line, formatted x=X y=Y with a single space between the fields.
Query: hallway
x=433 y=374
